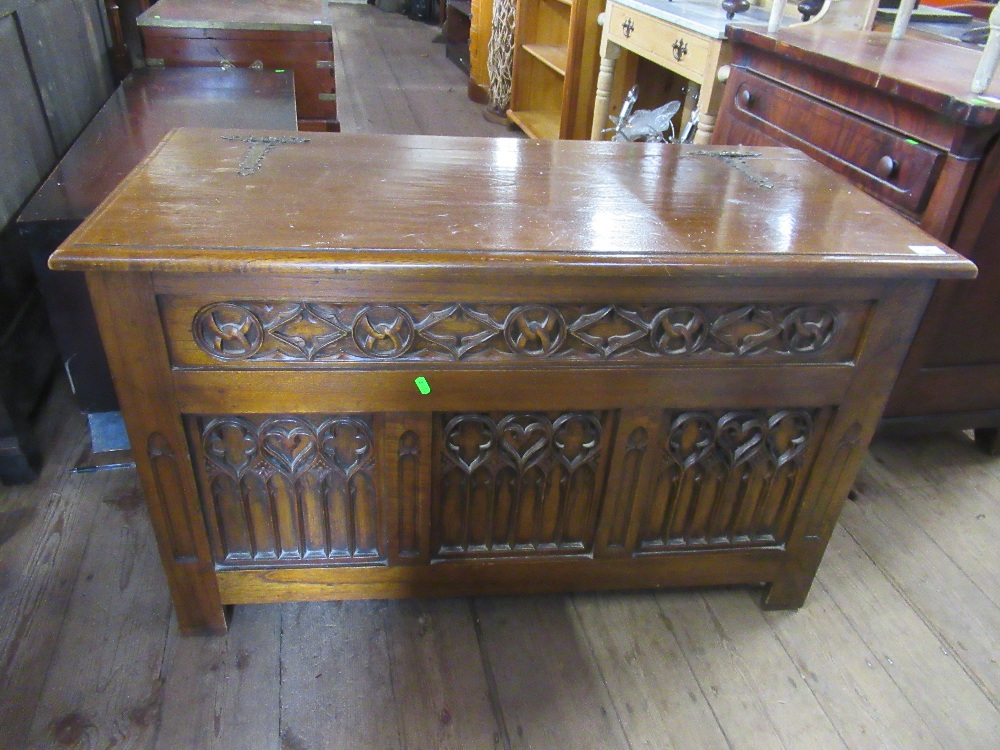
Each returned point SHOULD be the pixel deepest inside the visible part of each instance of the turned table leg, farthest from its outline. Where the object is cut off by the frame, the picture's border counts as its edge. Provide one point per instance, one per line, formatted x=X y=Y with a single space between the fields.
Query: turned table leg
x=605 y=80
x=706 y=126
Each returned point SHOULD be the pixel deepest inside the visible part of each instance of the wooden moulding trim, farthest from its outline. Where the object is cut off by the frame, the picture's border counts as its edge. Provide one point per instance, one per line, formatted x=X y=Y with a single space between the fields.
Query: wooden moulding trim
x=465 y=389
x=444 y=266
x=701 y=568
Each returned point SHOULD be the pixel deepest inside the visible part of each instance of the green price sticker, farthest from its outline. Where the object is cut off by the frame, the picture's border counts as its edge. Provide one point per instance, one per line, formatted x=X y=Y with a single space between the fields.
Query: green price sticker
x=422 y=385
x=280 y=70
x=912 y=142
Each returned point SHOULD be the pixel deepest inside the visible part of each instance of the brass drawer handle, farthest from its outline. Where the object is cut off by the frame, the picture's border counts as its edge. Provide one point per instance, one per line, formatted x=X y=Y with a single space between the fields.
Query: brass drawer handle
x=628 y=27
x=886 y=168
x=680 y=49
x=744 y=98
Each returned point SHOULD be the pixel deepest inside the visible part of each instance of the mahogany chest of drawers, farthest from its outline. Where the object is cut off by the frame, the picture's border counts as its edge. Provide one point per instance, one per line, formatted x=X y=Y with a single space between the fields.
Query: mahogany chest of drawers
x=293 y=35
x=627 y=365
x=896 y=118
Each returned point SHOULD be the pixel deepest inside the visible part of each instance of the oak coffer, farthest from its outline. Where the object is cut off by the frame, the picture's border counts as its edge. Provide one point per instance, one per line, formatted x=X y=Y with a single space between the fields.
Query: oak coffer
x=294 y=35
x=369 y=366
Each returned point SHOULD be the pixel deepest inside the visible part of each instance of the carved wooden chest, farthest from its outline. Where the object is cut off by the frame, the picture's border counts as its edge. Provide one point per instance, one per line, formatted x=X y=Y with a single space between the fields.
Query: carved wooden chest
x=364 y=366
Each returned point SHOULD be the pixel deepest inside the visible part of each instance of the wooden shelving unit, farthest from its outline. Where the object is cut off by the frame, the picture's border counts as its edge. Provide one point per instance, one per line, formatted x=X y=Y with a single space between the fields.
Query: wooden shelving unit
x=555 y=67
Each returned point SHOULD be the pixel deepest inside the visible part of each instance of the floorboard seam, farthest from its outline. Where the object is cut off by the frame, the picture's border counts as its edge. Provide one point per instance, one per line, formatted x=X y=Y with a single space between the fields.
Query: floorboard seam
x=694 y=675
x=600 y=672
x=491 y=683
x=822 y=707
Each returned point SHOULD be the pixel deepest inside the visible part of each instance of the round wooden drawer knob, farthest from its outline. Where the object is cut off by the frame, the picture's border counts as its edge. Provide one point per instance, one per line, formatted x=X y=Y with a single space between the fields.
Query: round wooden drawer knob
x=745 y=99
x=732 y=7
x=886 y=167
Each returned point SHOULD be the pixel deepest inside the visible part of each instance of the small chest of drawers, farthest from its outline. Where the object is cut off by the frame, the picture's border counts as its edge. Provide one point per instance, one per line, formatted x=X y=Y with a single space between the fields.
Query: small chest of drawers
x=293 y=35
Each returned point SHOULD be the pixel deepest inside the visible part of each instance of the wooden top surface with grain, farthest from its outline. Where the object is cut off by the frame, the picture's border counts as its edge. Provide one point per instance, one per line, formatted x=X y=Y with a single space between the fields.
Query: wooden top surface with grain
x=932 y=73
x=263 y=15
x=340 y=202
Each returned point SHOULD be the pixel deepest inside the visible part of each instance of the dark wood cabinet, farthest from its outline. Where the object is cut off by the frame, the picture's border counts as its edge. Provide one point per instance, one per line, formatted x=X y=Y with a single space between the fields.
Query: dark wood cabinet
x=148 y=104
x=293 y=35
x=643 y=366
x=54 y=76
x=896 y=118
x=27 y=363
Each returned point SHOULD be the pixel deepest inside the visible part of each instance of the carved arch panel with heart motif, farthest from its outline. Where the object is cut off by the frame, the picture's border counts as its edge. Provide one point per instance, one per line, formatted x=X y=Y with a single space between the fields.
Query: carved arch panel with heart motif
x=291 y=489
x=518 y=484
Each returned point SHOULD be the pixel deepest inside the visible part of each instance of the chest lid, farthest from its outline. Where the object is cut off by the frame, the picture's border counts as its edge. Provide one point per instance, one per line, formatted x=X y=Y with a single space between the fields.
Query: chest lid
x=287 y=202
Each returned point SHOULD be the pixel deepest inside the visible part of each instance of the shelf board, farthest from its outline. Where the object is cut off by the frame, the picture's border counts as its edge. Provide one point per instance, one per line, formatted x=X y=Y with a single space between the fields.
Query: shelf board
x=565 y=2
x=535 y=124
x=552 y=55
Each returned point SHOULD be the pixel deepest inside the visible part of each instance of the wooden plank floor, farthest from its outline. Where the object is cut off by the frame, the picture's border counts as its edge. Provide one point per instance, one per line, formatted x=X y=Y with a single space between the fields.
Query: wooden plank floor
x=896 y=647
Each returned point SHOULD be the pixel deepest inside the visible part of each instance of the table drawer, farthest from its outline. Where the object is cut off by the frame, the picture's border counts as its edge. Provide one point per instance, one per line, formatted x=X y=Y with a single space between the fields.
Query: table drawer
x=675 y=48
x=895 y=169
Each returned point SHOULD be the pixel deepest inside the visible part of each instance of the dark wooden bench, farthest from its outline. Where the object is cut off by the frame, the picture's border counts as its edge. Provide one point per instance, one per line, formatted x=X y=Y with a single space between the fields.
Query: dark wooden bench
x=147 y=105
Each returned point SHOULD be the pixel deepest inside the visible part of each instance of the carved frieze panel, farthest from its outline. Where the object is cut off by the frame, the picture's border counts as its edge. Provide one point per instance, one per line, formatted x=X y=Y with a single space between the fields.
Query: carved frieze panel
x=308 y=332
x=518 y=484
x=281 y=489
x=724 y=478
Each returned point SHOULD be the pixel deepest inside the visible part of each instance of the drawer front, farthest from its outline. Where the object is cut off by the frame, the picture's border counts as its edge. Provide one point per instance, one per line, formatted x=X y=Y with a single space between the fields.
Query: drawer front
x=677 y=49
x=895 y=169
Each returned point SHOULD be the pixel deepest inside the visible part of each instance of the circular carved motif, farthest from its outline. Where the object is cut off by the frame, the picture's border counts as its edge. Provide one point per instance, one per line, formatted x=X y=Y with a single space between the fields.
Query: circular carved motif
x=809 y=329
x=228 y=331
x=678 y=330
x=534 y=330
x=383 y=331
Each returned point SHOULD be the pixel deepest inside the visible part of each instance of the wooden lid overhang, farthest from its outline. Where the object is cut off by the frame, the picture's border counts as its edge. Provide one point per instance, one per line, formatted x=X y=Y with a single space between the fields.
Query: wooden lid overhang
x=209 y=201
